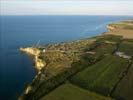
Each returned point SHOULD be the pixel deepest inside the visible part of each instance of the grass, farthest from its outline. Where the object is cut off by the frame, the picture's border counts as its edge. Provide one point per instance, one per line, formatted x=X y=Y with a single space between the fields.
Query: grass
x=72 y=92
x=105 y=48
x=51 y=81
x=126 y=47
x=56 y=61
x=74 y=46
x=90 y=65
x=59 y=57
x=123 y=25
x=124 y=90
x=124 y=29
x=102 y=76
x=110 y=38
x=105 y=44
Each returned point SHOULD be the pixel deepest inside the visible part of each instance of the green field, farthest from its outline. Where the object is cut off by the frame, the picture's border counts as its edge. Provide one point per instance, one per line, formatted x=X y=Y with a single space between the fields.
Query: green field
x=102 y=76
x=124 y=89
x=126 y=47
x=105 y=44
x=104 y=48
x=72 y=92
x=91 y=67
x=110 y=38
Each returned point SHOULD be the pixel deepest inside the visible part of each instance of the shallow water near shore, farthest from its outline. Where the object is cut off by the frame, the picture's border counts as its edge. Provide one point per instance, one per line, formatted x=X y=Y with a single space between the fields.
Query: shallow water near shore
x=16 y=68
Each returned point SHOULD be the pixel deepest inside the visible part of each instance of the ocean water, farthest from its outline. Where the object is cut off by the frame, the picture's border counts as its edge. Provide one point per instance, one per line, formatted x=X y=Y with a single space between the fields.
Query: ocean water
x=16 y=68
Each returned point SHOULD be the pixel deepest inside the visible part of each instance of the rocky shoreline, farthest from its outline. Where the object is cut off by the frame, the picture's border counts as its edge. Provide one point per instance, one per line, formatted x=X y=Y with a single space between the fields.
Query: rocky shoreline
x=39 y=63
x=63 y=56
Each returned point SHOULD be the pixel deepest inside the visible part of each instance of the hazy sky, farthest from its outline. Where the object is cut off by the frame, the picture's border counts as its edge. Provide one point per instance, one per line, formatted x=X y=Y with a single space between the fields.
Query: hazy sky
x=71 y=7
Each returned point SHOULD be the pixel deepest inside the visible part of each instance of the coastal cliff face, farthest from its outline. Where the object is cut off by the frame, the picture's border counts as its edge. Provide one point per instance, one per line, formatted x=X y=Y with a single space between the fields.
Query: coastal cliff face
x=124 y=29
x=111 y=28
x=83 y=63
x=31 y=50
x=125 y=25
x=39 y=63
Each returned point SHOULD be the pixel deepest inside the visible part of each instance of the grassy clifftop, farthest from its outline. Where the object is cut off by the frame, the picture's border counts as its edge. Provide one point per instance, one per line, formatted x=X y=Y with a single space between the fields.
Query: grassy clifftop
x=89 y=69
x=124 y=29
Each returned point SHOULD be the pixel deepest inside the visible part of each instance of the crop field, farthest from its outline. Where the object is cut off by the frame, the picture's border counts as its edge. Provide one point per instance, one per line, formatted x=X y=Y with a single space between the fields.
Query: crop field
x=72 y=92
x=105 y=48
x=105 y=44
x=126 y=47
x=87 y=69
x=124 y=89
x=102 y=76
x=110 y=38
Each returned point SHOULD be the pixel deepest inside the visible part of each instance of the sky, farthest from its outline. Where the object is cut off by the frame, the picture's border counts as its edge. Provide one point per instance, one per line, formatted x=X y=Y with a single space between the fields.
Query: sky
x=69 y=7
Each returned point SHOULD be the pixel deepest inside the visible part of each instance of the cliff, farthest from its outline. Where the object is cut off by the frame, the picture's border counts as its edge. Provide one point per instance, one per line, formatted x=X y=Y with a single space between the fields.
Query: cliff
x=124 y=29
x=39 y=63
x=111 y=28
x=78 y=62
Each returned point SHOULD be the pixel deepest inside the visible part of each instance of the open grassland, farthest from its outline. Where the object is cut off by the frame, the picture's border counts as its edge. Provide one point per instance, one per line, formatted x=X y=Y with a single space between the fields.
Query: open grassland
x=109 y=38
x=124 y=29
x=126 y=46
x=124 y=90
x=56 y=61
x=102 y=76
x=104 y=45
x=71 y=92
x=59 y=57
x=125 y=33
x=104 y=48
x=46 y=82
x=90 y=64
x=123 y=25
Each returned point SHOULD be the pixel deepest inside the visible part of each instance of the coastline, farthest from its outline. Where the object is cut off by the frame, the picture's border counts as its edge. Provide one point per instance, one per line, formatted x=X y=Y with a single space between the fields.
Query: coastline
x=40 y=64
x=121 y=29
x=34 y=52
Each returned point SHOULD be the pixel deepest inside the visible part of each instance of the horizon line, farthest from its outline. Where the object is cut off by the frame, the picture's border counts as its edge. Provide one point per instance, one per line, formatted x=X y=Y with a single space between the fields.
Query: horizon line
x=62 y=15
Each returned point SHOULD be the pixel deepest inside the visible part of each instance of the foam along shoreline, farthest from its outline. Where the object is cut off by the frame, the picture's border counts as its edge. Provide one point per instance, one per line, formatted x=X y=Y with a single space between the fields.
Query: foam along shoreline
x=39 y=63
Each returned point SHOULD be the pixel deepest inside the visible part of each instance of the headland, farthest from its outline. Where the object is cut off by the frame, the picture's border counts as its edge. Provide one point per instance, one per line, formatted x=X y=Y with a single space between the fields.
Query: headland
x=96 y=68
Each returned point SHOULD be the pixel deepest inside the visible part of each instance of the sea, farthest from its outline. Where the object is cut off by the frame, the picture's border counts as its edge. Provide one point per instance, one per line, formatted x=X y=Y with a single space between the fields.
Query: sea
x=16 y=68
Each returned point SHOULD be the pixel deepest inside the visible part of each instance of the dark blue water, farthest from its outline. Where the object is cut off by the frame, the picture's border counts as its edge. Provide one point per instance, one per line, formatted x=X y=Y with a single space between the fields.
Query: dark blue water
x=16 y=68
